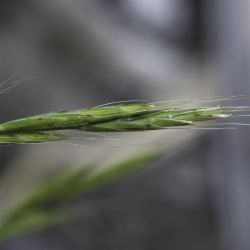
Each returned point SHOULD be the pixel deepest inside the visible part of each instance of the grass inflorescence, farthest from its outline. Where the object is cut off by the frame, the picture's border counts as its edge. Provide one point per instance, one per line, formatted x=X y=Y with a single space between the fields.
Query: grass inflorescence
x=116 y=118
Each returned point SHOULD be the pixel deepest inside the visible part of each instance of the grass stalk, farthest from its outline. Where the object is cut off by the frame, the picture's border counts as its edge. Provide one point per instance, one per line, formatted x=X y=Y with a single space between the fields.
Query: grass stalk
x=46 y=206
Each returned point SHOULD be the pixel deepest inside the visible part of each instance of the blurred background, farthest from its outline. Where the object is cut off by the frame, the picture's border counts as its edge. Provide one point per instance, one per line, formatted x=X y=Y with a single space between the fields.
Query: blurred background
x=86 y=53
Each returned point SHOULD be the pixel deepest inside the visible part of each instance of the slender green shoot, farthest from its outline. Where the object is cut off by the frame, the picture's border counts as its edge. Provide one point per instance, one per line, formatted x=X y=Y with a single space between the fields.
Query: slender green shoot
x=46 y=205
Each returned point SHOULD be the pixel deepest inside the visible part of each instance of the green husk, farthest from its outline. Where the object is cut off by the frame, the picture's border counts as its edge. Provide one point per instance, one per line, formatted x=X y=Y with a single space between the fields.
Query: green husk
x=118 y=118
x=74 y=119
x=30 y=138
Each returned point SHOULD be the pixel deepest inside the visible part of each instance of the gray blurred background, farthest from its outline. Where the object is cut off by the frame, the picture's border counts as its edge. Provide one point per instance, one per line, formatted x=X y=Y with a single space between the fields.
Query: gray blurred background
x=87 y=53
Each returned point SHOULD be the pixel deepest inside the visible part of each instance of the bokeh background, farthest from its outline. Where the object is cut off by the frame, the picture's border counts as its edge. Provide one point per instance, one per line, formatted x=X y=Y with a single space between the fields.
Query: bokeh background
x=86 y=53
